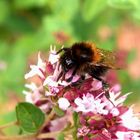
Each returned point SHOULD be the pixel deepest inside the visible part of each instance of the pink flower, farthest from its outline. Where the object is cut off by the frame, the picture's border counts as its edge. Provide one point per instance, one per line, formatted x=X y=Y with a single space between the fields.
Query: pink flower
x=101 y=117
x=53 y=58
x=89 y=104
x=83 y=131
x=106 y=133
x=129 y=119
x=130 y=135
x=63 y=103
x=33 y=95
x=59 y=124
x=38 y=69
x=51 y=80
x=116 y=99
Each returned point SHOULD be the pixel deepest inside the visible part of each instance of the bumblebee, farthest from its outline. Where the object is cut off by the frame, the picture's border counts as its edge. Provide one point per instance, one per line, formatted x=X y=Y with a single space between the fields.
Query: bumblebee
x=85 y=57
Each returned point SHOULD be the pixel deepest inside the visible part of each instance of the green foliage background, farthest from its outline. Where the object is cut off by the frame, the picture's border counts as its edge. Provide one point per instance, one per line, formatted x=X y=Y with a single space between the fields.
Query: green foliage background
x=28 y=26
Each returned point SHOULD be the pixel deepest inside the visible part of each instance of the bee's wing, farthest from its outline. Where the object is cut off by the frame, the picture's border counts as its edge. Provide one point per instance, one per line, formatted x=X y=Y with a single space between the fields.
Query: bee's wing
x=108 y=59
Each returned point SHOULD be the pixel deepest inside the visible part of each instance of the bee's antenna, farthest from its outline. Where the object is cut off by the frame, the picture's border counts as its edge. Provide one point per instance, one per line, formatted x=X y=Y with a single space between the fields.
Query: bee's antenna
x=62 y=49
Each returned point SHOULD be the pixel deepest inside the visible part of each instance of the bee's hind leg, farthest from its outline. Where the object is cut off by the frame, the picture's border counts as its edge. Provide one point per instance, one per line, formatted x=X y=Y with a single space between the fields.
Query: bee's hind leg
x=105 y=85
x=106 y=89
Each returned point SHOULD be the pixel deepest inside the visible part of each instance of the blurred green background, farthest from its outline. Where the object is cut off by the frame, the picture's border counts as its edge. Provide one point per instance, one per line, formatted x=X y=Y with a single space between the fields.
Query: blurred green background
x=29 y=26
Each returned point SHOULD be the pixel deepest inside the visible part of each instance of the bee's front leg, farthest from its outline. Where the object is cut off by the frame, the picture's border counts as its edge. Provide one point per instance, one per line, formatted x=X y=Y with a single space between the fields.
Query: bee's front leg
x=105 y=85
x=72 y=75
x=60 y=75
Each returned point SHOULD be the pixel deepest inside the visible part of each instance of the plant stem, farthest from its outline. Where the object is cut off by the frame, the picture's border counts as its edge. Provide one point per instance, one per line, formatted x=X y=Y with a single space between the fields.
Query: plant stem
x=54 y=134
x=48 y=135
x=36 y=136
x=47 y=120
x=20 y=137
x=8 y=125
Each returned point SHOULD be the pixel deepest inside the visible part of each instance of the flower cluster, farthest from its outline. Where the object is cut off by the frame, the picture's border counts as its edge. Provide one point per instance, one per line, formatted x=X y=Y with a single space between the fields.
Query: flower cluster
x=101 y=116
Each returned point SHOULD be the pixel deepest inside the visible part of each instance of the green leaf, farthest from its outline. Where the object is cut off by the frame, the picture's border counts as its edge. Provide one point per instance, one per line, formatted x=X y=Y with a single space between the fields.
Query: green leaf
x=29 y=3
x=60 y=19
x=136 y=12
x=60 y=136
x=121 y=4
x=65 y=9
x=53 y=24
x=4 y=10
x=19 y=24
x=3 y=50
x=91 y=8
x=58 y=111
x=29 y=117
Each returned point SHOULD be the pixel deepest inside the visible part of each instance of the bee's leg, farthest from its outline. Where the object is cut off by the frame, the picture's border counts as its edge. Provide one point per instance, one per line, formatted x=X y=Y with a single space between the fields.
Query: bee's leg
x=79 y=82
x=104 y=83
x=105 y=86
x=106 y=89
x=71 y=77
x=60 y=75
x=82 y=77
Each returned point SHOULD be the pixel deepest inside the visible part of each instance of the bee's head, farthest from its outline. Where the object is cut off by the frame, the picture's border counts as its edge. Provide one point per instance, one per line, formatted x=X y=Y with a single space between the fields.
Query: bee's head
x=67 y=61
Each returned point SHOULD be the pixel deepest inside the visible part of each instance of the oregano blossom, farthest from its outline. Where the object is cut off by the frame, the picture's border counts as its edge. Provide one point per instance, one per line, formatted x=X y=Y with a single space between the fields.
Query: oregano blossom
x=100 y=117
